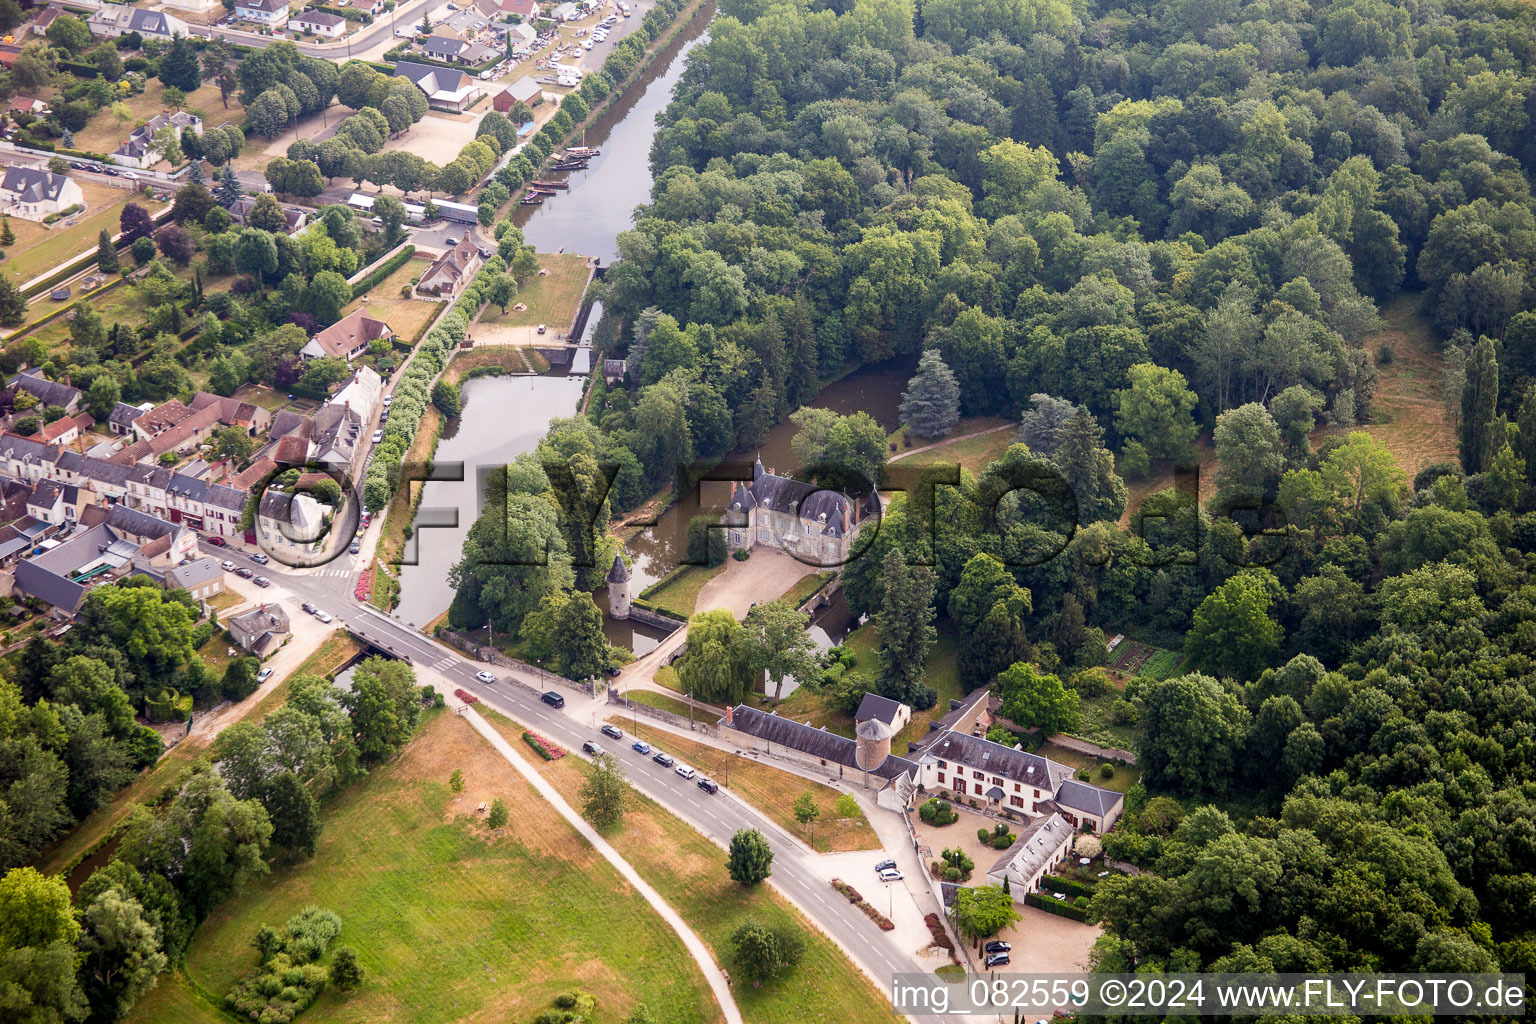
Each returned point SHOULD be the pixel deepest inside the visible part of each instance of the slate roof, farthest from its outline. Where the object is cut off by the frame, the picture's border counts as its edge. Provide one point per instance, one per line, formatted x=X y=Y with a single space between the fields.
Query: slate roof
x=33 y=184
x=809 y=740
x=433 y=80
x=1080 y=796
x=524 y=89
x=123 y=415
x=1034 y=847
x=620 y=572
x=875 y=706
x=324 y=19
x=45 y=585
x=996 y=759
x=195 y=574
x=47 y=391
x=267 y=6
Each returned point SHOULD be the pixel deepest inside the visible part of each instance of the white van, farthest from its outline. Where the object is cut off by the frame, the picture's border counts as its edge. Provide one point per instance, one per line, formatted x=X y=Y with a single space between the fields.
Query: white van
x=685 y=771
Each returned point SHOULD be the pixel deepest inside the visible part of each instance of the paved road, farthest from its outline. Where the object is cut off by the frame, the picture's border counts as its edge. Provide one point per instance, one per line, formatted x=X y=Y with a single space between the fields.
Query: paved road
x=379 y=34
x=718 y=817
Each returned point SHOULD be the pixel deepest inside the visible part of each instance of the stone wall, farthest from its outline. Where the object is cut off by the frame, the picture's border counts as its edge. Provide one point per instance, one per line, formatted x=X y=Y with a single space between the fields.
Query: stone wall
x=705 y=723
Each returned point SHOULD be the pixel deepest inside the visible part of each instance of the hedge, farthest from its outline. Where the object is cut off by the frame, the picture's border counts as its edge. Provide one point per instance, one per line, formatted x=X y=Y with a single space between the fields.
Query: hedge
x=381 y=272
x=1060 y=908
x=848 y=891
x=79 y=69
x=1056 y=883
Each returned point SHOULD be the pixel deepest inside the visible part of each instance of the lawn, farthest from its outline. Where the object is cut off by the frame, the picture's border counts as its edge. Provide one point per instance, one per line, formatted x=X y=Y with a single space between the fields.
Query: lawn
x=808 y=585
x=661 y=702
x=451 y=922
x=39 y=249
x=1124 y=778
x=104 y=133
x=551 y=299
x=408 y=318
x=1409 y=413
x=679 y=592
x=940 y=673
x=972 y=453
x=689 y=872
x=772 y=791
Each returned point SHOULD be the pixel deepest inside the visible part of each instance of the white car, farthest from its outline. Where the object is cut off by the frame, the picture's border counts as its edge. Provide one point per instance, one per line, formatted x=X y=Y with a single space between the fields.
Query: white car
x=264 y=674
x=378 y=435
x=485 y=677
x=685 y=771
x=890 y=875
x=227 y=565
x=322 y=616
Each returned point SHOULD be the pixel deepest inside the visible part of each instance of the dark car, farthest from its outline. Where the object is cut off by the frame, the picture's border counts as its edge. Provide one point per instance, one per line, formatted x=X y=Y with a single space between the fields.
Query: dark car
x=997 y=959
x=709 y=785
x=552 y=698
x=245 y=573
x=591 y=748
x=611 y=670
x=884 y=866
x=612 y=732
x=665 y=760
x=308 y=608
x=997 y=947
x=217 y=542
x=262 y=581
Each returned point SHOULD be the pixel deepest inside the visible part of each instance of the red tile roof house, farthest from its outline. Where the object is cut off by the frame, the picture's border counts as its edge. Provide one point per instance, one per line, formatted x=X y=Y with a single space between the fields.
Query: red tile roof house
x=347 y=338
x=65 y=429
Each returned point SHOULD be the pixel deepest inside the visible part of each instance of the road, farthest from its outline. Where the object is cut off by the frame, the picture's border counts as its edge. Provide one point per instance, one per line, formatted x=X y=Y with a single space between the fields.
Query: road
x=719 y=817
x=379 y=35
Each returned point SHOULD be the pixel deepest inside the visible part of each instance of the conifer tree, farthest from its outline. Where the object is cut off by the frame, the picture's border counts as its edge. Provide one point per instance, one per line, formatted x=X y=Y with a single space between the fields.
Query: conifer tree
x=1479 y=400
x=930 y=407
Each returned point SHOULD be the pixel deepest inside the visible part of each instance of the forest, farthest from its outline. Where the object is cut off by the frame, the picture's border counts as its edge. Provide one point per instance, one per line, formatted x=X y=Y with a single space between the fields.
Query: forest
x=1135 y=228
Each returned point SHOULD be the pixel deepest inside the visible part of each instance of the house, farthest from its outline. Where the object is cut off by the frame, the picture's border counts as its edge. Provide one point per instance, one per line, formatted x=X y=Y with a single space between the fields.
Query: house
x=347 y=338
x=121 y=419
x=522 y=36
x=261 y=631
x=62 y=573
x=444 y=48
x=329 y=438
x=445 y=89
x=883 y=709
x=202 y=579
x=113 y=20
x=359 y=393
x=321 y=23
x=47 y=16
x=565 y=12
x=1044 y=843
x=33 y=193
x=367 y=6
x=289 y=520
x=525 y=90
x=196 y=6
x=268 y=13
x=138 y=151
x=770 y=733
x=816 y=525
x=465 y=25
x=65 y=429
x=614 y=370
x=500 y=10
x=475 y=54
x=452 y=270
x=28 y=105
x=249 y=417
x=47 y=392
x=294 y=217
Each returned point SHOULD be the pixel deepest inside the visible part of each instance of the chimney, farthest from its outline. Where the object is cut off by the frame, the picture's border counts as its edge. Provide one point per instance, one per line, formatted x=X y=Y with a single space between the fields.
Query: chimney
x=730 y=717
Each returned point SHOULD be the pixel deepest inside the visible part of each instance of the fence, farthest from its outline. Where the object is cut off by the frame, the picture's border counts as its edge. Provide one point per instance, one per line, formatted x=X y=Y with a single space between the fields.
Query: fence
x=708 y=728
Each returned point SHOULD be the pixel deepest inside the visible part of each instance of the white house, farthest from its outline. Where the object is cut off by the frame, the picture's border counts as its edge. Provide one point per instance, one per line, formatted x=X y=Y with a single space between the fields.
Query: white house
x=113 y=20
x=446 y=89
x=270 y=13
x=196 y=6
x=360 y=393
x=33 y=193
x=347 y=338
x=321 y=23
x=137 y=151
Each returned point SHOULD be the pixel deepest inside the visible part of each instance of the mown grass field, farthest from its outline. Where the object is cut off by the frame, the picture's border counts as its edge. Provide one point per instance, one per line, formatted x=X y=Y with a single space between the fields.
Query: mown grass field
x=1124 y=778
x=772 y=791
x=661 y=702
x=679 y=593
x=1409 y=414
x=408 y=318
x=104 y=132
x=451 y=922
x=39 y=249
x=970 y=452
x=551 y=299
x=689 y=872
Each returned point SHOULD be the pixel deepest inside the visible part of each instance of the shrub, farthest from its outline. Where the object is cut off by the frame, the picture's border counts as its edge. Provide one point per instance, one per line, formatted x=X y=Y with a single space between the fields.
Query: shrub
x=874 y=915
x=940 y=936
x=1058 y=907
x=1066 y=886
x=938 y=812
x=847 y=890
x=1106 y=770
x=1385 y=355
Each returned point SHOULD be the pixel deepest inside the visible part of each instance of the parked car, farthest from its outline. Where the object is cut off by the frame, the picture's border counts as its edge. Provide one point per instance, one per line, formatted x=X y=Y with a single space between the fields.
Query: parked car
x=245 y=573
x=466 y=696
x=552 y=698
x=322 y=616
x=542 y=328
x=685 y=771
x=389 y=398
x=262 y=582
x=378 y=435
x=258 y=557
x=998 y=960
x=665 y=760
x=264 y=674
x=709 y=786
x=997 y=946
x=642 y=746
x=227 y=565
x=450 y=240
x=613 y=732
x=354 y=548
x=485 y=677
x=884 y=865
x=890 y=875
x=612 y=670
x=218 y=542
x=308 y=608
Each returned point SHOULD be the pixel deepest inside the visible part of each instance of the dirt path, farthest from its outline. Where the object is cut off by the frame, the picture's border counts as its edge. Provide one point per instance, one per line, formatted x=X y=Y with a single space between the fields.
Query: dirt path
x=952 y=440
x=711 y=970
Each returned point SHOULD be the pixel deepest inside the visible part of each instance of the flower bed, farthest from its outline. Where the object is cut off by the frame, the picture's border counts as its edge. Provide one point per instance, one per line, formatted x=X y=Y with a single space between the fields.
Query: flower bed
x=364 y=584
x=875 y=916
x=940 y=936
x=547 y=750
x=847 y=890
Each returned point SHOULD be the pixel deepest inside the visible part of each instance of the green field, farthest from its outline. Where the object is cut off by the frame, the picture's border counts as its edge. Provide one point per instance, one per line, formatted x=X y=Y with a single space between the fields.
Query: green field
x=661 y=702
x=552 y=299
x=679 y=592
x=450 y=923
x=689 y=872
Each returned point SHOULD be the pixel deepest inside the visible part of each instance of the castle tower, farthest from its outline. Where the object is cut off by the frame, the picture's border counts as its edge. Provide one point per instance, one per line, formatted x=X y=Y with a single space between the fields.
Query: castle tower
x=618 y=589
x=872 y=743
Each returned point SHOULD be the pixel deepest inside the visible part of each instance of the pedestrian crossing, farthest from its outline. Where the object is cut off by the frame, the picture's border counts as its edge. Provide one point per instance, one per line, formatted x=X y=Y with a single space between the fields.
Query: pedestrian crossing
x=332 y=572
x=442 y=664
